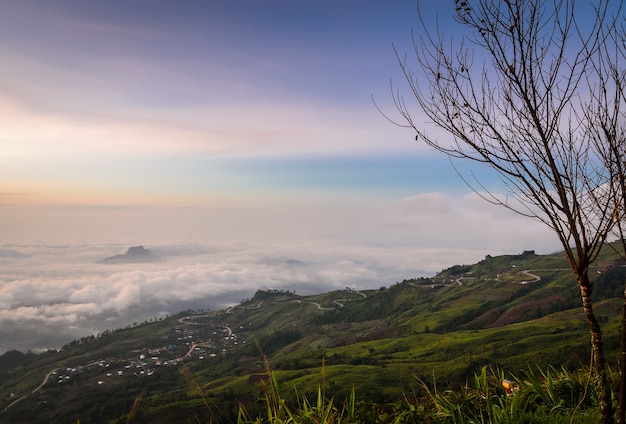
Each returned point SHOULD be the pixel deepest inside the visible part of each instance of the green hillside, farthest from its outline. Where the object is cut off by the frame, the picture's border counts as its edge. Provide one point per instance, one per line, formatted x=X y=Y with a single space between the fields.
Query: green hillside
x=510 y=312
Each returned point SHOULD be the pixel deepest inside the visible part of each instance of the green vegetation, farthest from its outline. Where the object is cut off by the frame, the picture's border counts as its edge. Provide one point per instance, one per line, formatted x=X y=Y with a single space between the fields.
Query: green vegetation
x=398 y=354
x=552 y=396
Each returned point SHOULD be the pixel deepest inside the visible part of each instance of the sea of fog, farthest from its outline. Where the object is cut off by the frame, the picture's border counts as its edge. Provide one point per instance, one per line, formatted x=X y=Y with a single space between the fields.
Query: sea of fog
x=53 y=293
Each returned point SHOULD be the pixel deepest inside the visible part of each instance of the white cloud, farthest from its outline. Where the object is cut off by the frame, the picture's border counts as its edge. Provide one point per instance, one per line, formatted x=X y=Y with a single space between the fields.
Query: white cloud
x=72 y=303
x=438 y=220
x=62 y=286
x=66 y=292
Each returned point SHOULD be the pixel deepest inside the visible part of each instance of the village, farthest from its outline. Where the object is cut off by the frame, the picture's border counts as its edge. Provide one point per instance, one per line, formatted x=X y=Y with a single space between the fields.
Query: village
x=196 y=339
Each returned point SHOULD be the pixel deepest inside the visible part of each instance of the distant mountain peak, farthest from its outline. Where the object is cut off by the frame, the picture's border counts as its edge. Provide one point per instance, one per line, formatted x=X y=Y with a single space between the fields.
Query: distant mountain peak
x=293 y=263
x=133 y=254
x=137 y=251
x=285 y=262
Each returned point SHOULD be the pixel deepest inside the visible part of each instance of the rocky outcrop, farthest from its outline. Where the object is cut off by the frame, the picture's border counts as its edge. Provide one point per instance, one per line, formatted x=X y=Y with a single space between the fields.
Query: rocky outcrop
x=133 y=254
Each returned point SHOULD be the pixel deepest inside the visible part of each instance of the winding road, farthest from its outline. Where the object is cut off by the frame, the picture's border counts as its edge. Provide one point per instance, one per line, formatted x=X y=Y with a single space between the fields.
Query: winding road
x=536 y=277
x=36 y=389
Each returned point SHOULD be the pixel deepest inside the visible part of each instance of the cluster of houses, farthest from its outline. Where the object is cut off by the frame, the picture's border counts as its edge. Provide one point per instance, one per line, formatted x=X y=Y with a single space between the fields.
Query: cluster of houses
x=196 y=339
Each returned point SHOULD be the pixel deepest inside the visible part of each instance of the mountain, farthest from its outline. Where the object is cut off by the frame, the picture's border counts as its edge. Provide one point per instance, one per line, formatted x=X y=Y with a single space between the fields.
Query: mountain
x=133 y=255
x=284 y=262
x=509 y=311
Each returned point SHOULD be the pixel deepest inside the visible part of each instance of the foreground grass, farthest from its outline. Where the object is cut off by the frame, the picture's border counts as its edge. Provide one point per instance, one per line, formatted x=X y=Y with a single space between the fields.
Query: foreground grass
x=551 y=396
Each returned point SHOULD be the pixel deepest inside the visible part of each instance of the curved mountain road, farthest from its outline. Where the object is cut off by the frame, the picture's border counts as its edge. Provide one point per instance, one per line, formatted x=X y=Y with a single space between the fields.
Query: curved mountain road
x=536 y=277
x=36 y=389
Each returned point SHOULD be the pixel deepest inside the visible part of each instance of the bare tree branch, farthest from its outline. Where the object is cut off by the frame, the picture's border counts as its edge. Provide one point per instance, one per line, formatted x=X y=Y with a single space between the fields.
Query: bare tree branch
x=533 y=91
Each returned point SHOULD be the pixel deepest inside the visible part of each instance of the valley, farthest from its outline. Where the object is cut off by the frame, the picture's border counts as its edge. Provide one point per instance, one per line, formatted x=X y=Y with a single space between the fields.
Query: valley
x=511 y=311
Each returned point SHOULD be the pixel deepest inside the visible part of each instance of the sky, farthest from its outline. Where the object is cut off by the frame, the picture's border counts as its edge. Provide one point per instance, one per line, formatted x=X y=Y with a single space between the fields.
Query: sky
x=227 y=137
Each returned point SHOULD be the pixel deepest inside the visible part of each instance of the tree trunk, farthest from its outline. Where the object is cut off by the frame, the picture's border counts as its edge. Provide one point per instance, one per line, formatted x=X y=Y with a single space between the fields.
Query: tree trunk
x=599 y=361
x=621 y=401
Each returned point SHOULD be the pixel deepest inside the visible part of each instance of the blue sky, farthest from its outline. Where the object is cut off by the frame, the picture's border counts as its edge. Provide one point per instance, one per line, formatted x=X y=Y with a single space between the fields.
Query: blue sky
x=203 y=104
x=226 y=136
x=92 y=85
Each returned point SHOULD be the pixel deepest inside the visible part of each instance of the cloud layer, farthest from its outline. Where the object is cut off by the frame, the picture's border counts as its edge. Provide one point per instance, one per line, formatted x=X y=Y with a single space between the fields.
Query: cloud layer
x=53 y=292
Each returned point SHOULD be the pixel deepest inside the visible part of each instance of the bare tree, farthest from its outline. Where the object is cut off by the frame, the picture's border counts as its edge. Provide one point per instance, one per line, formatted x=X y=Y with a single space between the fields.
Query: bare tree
x=615 y=154
x=508 y=96
x=607 y=102
x=610 y=139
